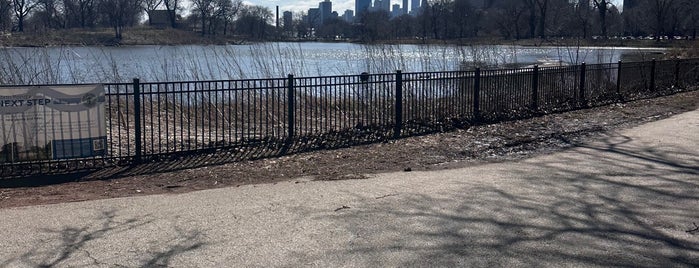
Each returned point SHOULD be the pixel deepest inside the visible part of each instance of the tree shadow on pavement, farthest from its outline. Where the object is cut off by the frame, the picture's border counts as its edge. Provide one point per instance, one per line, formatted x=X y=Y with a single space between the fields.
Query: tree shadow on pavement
x=33 y=174
x=613 y=203
x=97 y=243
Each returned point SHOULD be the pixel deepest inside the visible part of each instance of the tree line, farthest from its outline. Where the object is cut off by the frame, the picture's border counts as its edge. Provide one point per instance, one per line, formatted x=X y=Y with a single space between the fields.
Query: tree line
x=437 y=19
x=522 y=19
x=210 y=17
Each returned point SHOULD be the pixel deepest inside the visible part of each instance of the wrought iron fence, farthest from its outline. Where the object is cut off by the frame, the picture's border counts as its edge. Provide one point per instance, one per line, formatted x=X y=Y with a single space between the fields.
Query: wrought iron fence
x=245 y=119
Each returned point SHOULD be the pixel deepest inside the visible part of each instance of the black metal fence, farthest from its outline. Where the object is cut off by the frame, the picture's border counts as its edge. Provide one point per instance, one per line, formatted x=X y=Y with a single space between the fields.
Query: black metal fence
x=245 y=119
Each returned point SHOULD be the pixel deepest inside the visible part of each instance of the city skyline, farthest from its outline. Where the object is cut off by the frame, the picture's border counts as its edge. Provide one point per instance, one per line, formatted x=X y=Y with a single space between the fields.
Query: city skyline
x=338 y=5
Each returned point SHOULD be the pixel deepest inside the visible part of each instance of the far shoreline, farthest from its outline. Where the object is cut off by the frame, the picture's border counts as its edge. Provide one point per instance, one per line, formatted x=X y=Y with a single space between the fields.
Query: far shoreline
x=145 y=36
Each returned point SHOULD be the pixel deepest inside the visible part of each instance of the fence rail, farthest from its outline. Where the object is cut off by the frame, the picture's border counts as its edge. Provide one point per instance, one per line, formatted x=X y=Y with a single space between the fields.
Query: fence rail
x=148 y=122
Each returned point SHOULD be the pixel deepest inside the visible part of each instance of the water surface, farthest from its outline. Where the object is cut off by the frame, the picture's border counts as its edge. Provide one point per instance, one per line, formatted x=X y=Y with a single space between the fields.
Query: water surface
x=197 y=62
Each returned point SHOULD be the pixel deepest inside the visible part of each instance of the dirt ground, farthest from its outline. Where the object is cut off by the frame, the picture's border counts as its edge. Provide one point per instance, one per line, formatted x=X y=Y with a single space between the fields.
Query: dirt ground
x=460 y=148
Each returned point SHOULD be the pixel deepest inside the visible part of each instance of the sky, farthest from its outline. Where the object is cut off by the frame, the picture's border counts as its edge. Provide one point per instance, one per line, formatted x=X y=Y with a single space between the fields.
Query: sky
x=338 y=5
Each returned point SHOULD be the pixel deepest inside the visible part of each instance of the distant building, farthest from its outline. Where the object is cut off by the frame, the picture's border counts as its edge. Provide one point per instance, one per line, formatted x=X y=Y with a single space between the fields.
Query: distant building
x=396 y=11
x=361 y=6
x=326 y=9
x=414 y=6
x=313 y=17
x=348 y=16
x=160 y=18
x=405 y=7
x=288 y=19
x=384 y=5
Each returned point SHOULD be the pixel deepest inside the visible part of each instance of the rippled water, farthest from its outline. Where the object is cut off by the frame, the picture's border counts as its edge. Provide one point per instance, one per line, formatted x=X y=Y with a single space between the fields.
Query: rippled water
x=195 y=62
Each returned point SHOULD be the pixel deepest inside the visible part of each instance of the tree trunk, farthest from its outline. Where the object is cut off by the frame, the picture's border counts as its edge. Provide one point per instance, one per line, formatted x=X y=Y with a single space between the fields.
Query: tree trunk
x=20 y=23
x=532 y=22
x=543 y=9
x=203 y=23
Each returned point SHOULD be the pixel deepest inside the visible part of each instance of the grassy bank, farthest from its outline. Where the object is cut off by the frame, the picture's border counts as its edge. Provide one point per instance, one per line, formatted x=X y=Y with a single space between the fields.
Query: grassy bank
x=105 y=37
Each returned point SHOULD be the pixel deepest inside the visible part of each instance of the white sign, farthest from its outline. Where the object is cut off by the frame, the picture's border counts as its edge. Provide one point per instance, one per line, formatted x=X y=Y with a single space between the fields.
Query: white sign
x=52 y=122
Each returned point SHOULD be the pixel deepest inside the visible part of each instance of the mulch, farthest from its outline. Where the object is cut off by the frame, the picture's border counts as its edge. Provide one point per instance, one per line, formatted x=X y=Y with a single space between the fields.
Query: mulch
x=473 y=145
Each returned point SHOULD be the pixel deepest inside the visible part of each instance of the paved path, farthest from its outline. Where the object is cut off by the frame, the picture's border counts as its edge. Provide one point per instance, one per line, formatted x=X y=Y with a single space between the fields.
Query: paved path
x=624 y=200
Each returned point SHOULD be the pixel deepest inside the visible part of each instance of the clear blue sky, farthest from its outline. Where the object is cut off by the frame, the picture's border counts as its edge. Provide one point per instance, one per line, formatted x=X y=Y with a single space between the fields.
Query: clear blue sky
x=338 y=5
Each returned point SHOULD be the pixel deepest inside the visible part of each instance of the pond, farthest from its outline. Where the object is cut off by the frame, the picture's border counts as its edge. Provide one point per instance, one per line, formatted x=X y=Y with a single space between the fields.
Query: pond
x=66 y=65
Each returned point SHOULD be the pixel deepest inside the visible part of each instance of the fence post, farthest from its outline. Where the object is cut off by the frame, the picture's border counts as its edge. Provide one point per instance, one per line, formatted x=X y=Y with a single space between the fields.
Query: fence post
x=476 y=96
x=652 y=76
x=290 y=107
x=137 y=121
x=399 y=104
x=535 y=89
x=583 y=68
x=618 y=82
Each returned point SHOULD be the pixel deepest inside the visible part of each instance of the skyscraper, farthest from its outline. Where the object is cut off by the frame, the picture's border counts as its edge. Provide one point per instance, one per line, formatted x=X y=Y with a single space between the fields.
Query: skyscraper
x=288 y=19
x=326 y=11
x=348 y=16
x=405 y=7
x=313 y=17
x=396 y=11
x=384 y=5
x=361 y=6
x=415 y=6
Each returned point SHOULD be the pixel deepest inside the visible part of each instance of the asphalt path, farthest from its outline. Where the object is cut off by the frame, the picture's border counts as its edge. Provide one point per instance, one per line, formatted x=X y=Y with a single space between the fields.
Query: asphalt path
x=627 y=199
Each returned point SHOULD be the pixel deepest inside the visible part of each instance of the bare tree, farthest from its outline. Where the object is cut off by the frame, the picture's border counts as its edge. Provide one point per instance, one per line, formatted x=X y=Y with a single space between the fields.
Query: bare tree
x=79 y=13
x=582 y=17
x=425 y=19
x=21 y=9
x=374 y=26
x=5 y=10
x=508 y=18
x=172 y=6
x=543 y=6
x=121 y=13
x=602 y=7
x=691 y=15
x=660 y=10
x=226 y=11
x=254 y=21
x=49 y=13
x=466 y=19
x=150 y=5
x=531 y=8
x=205 y=9
x=301 y=26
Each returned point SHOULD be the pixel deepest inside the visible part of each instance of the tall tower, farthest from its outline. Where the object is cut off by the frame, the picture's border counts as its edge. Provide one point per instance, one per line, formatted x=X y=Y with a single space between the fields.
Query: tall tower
x=326 y=11
x=396 y=11
x=288 y=19
x=405 y=7
x=361 y=6
x=313 y=17
x=415 y=6
x=384 y=5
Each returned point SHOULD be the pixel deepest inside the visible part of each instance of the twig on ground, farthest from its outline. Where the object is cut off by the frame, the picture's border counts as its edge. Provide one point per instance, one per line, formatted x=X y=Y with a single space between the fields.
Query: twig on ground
x=384 y=196
x=341 y=208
